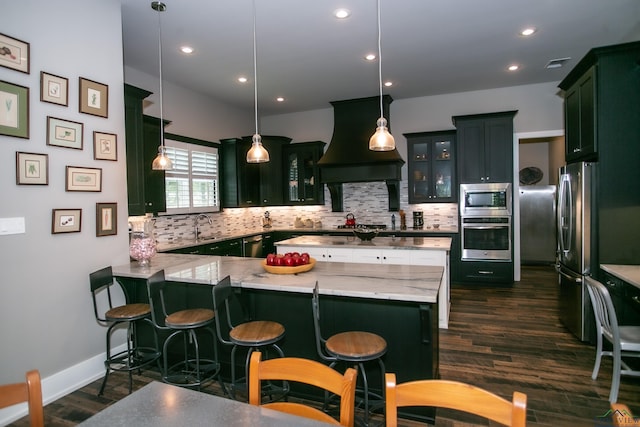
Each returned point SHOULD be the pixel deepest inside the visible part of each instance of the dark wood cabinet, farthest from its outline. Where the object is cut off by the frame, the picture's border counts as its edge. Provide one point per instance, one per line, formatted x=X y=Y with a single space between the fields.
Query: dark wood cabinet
x=245 y=184
x=232 y=247
x=485 y=147
x=580 y=118
x=302 y=175
x=431 y=163
x=485 y=272
x=625 y=298
x=145 y=187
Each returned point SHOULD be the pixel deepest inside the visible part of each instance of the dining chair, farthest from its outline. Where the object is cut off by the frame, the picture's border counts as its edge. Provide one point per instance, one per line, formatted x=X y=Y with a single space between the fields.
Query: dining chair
x=129 y=314
x=304 y=371
x=625 y=340
x=29 y=391
x=621 y=416
x=454 y=395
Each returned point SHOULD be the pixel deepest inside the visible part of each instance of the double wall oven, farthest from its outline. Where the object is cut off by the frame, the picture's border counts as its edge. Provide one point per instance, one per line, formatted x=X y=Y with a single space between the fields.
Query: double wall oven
x=485 y=222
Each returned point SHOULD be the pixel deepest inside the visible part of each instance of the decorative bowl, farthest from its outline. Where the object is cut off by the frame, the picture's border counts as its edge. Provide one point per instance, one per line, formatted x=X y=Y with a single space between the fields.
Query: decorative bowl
x=365 y=233
x=274 y=269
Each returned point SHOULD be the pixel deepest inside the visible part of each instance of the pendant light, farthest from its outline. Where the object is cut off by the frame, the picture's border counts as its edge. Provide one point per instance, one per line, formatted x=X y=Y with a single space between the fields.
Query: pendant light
x=381 y=140
x=257 y=153
x=161 y=162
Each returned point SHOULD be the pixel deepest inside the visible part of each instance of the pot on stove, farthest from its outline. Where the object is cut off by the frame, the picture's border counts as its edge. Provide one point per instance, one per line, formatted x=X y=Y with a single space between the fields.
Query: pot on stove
x=351 y=220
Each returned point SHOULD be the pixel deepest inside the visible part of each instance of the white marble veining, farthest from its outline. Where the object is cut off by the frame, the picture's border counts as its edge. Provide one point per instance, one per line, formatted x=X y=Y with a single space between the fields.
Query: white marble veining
x=628 y=273
x=352 y=241
x=377 y=281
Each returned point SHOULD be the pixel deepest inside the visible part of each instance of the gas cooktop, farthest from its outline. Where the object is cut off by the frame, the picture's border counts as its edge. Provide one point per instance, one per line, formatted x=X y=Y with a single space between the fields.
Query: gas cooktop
x=368 y=226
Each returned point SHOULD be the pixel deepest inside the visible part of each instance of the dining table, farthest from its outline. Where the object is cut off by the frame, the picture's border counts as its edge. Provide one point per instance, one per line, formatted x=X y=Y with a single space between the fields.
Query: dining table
x=163 y=405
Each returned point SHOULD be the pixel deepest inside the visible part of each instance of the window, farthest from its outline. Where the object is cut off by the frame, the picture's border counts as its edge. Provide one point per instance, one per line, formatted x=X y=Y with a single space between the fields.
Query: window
x=192 y=185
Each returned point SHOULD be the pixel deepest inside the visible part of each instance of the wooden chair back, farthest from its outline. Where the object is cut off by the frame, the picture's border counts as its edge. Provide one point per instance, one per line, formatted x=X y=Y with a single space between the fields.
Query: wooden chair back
x=454 y=395
x=29 y=391
x=308 y=372
x=621 y=416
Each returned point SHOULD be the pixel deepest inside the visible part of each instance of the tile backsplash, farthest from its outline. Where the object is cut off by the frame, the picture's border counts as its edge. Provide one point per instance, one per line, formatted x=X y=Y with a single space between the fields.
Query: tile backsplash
x=367 y=201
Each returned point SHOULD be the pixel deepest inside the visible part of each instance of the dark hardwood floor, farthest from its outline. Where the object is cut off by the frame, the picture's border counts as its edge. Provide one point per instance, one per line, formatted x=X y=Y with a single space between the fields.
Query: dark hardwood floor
x=502 y=338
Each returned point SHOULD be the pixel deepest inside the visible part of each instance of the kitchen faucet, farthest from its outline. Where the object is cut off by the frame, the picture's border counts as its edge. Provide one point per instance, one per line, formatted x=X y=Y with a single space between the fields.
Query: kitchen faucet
x=196 y=223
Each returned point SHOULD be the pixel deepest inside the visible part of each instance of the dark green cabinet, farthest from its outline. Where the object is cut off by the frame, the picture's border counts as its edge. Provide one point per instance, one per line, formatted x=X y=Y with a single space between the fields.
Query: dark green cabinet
x=625 y=298
x=580 y=118
x=232 y=247
x=245 y=184
x=154 y=183
x=302 y=175
x=431 y=163
x=485 y=147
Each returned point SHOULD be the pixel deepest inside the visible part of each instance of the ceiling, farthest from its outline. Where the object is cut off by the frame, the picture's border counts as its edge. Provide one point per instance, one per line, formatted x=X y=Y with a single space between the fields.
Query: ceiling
x=310 y=58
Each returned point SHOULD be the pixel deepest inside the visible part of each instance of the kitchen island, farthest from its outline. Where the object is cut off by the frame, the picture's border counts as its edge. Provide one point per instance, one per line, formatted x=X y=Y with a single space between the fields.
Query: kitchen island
x=398 y=302
x=381 y=250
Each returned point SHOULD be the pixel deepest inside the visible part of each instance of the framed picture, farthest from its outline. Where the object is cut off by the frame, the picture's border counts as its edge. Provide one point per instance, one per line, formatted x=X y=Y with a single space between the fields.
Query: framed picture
x=14 y=110
x=94 y=98
x=54 y=89
x=106 y=219
x=105 y=146
x=15 y=54
x=66 y=221
x=32 y=168
x=64 y=133
x=83 y=179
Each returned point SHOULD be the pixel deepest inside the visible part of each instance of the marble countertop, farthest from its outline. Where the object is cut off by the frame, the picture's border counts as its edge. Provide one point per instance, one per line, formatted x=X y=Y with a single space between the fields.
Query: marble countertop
x=379 y=242
x=376 y=281
x=186 y=243
x=628 y=273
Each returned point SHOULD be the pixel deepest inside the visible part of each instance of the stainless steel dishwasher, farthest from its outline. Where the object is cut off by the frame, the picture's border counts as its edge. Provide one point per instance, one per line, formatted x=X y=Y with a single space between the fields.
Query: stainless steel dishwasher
x=252 y=246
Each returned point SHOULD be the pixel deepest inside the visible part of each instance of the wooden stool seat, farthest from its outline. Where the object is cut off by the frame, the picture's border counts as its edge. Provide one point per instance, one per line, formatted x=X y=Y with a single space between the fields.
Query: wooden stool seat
x=257 y=332
x=356 y=346
x=128 y=312
x=190 y=318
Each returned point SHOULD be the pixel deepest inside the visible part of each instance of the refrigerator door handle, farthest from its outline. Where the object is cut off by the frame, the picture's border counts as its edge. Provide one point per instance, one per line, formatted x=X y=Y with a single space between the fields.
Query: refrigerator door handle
x=564 y=217
x=571 y=277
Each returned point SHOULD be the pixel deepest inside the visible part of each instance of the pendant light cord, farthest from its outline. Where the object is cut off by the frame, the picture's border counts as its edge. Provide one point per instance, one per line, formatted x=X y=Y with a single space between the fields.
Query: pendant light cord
x=380 y=58
x=161 y=8
x=255 y=68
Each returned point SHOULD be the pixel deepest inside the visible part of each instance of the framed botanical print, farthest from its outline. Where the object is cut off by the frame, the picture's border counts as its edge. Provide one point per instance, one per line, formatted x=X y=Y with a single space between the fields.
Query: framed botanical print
x=14 y=54
x=54 y=89
x=32 y=168
x=66 y=221
x=14 y=110
x=64 y=133
x=94 y=98
x=105 y=146
x=106 y=219
x=83 y=179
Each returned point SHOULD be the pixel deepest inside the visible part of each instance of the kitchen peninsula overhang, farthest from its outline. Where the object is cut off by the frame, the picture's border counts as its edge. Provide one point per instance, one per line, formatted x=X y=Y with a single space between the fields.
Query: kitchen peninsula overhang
x=348 y=158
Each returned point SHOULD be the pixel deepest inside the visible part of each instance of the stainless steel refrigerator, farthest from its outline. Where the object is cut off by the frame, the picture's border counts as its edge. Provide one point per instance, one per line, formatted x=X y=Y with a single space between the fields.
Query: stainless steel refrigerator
x=538 y=241
x=575 y=246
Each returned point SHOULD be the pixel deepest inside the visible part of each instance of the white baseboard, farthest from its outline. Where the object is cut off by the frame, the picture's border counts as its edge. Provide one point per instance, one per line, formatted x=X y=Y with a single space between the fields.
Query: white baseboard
x=62 y=383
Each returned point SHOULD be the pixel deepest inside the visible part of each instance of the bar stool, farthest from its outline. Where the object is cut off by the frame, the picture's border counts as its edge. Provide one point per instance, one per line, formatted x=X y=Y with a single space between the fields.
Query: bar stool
x=193 y=370
x=134 y=357
x=356 y=347
x=252 y=335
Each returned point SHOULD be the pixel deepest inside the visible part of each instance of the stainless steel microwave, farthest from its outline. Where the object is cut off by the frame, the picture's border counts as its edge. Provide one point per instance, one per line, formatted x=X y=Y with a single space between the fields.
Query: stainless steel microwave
x=485 y=199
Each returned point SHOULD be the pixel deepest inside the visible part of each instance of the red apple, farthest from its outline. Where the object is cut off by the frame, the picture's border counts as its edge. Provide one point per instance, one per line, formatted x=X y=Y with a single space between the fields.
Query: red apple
x=271 y=258
x=279 y=261
x=304 y=259
x=289 y=261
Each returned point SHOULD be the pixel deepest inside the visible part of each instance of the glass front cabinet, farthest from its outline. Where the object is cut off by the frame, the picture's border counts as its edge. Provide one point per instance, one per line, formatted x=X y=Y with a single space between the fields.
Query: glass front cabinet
x=303 y=186
x=431 y=162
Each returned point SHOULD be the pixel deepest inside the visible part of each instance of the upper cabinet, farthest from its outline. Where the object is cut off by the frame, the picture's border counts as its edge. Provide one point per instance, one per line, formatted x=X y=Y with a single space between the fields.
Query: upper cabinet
x=431 y=162
x=485 y=147
x=580 y=118
x=145 y=187
x=245 y=184
x=302 y=175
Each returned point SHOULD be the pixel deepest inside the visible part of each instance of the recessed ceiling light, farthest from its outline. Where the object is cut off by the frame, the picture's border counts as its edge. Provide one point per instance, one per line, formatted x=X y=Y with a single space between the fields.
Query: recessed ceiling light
x=186 y=49
x=370 y=57
x=388 y=83
x=341 y=13
x=280 y=99
x=527 y=31
x=513 y=67
x=242 y=79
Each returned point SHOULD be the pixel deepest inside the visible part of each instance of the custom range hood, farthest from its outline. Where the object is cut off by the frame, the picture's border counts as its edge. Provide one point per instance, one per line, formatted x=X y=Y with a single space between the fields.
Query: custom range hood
x=348 y=158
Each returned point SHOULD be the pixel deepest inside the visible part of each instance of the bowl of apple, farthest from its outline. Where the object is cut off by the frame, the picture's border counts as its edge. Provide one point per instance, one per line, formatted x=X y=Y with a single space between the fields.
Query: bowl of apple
x=288 y=263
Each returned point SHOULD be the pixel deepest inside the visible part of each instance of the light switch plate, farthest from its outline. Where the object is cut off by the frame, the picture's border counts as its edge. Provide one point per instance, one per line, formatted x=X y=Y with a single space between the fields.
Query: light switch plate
x=12 y=226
